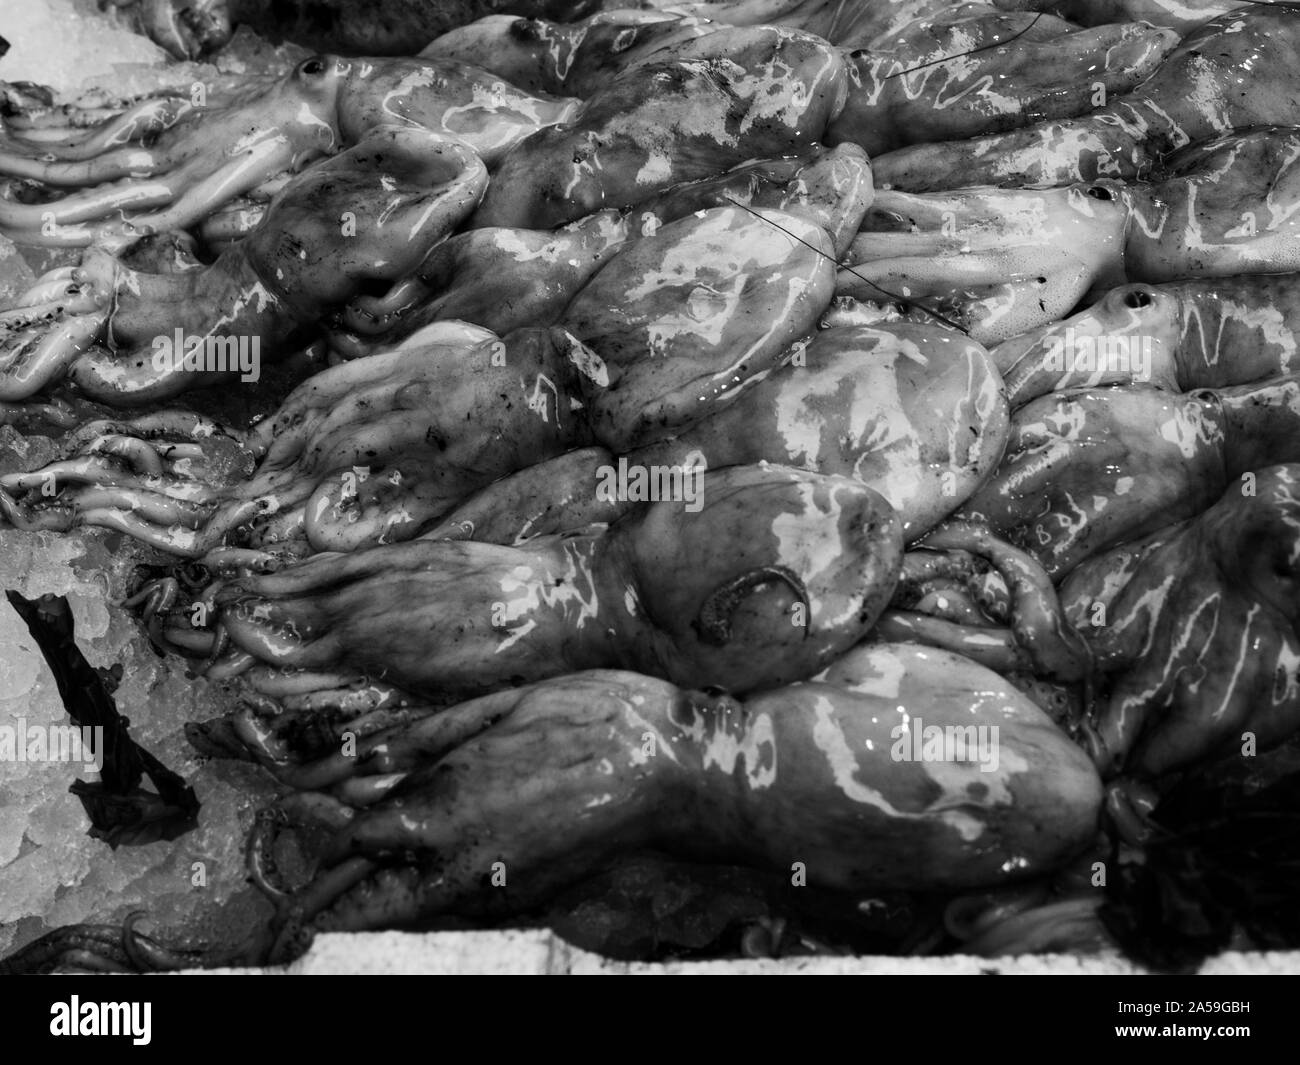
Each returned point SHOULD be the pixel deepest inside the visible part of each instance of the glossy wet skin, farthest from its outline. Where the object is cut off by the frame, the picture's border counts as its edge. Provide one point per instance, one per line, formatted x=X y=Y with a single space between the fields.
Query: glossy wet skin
x=461 y=406
x=806 y=768
x=574 y=59
x=703 y=594
x=905 y=95
x=202 y=156
x=1087 y=469
x=1180 y=336
x=1181 y=16
x=619 y=149
x=1225 y=206
x=1199 y=639
x=915 y=412
x=971 y=592
x=504 y=278
x=362 y=453
x=1195 y=94
x=368 y=215
x=995 y=262
x=693 y=312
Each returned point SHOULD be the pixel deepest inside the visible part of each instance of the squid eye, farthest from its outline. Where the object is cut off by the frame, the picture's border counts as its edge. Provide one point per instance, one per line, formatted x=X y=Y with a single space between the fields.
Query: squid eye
x=1137 y=299
x=311 y=68
x=1100 y=192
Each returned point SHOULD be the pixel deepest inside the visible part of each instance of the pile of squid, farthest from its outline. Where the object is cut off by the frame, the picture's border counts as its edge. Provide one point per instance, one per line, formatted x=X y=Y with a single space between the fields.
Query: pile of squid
x=968 y=333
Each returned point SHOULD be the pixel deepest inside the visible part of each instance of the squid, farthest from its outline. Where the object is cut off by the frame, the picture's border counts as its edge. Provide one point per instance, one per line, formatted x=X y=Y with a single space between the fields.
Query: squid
x=819 y=773
x=810 y=770
x=503 y=278
x=567 y=59
x=759 y=576
x=367 y=216
x=373 y=450
x=721 y=100
x=361 y=453
x=1194 y=95
x=943 y=79
x=169 y=163
x=1003 y=263
x=1180 y=16
x=900 y=89
x=915 y=412
x=966 y=590
x=1195 y=626
x=992 y=262
x=1091 y=469
x=1180 y=336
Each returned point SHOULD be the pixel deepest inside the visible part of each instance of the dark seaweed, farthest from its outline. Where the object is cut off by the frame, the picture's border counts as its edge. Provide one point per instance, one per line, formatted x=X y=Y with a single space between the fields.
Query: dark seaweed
x=1225 y=864
x=121 y=812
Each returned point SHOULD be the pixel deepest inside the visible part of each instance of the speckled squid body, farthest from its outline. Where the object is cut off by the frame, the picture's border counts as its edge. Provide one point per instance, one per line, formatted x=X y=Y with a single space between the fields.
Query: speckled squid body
x=1199 y=636
x=745 y=94
x=914 y=411
x=915 y=97
x=684 y=318
x=1195 y=94
x=821 y=777
x=369 y=214
x=775 y=575
x=1182 y=335
x=1085 y=470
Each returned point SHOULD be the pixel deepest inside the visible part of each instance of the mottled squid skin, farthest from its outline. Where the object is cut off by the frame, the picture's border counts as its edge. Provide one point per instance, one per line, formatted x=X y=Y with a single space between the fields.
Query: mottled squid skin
x=915 y=412
x=366 y=452
x=1182 y=335
x=1181 y=16
x=1197 y=93
x=803 y=774
x=1088 y=470
x=580 y=58
x=368 y=215
x=1220 y=207
x=504 y=279
x=202 y=157
x=456 y=100
x=996 y=262
x=456 y=407
x=573 y=59
x=1198 y=631
x=498 y=278
x=668 y=122
x=689 y=315
x=850 y=25
x=912 y=411
x=831 y=187
x=773 y=576
x=1007 y=262
x=909 y=95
